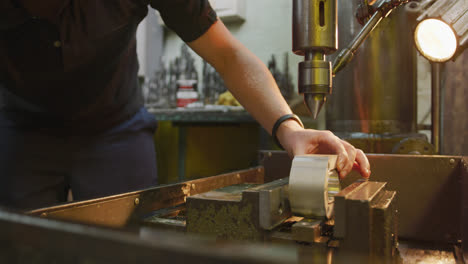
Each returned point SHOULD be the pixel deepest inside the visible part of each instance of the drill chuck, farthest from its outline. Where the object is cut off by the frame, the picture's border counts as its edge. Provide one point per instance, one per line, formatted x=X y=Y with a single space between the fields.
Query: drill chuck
x=315 y=82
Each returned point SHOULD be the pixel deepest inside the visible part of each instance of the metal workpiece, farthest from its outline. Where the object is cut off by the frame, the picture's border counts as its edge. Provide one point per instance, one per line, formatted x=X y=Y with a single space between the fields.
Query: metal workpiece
x=313 y=181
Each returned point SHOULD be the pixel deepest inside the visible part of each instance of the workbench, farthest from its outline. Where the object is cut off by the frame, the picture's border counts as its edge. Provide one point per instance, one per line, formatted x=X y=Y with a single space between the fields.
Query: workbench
x=200 y=142
x=432 y=208
x=188 y=136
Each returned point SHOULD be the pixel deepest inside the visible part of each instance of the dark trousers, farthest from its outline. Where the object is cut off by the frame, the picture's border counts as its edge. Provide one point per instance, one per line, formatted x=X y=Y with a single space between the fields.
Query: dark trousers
x=39 y=166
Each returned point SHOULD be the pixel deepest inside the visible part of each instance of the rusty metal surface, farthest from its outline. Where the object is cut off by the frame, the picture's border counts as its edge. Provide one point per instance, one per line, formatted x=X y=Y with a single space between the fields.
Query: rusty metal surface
x=277 y=164
x=223 y=214
x=464 y=186
x=172 y=218
x=389 y=143
x=384 y=232
x=129 y=208
x=428 y=194
x=455 y=107
x=29 y=239
x=410 y=255
x=239 y=212
x=429 y=191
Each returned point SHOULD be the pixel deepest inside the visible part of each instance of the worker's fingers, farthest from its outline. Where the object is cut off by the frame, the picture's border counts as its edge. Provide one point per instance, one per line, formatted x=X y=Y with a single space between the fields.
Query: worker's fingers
x=309 y=141
x=330 y=143
x=351 y=151
x=363 y=163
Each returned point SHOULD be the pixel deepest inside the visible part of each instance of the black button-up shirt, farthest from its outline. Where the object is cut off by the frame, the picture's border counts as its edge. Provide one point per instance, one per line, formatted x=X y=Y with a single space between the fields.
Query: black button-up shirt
x=79 y=70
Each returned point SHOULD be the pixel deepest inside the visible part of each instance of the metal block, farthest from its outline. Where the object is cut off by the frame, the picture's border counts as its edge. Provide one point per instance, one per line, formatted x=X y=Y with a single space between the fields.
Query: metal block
x=365 y=221
x=340 y=208
x=383 y=229
x=222 y=214
x=273 y=202
x=358 y=216
x=308 y=230
x=241 y=212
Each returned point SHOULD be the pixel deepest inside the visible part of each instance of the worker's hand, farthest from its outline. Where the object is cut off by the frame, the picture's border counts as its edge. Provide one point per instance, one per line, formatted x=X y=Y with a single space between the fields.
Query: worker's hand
x=297 y=141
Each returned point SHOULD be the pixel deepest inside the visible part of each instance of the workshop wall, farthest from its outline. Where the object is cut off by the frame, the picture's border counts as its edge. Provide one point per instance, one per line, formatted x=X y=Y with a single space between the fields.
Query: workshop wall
x=212 y=150
x=265 y=31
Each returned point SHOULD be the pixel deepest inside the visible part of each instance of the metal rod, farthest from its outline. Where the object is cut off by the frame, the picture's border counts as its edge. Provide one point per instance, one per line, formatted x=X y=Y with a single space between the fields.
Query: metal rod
x=435 y=106
x=347 y=54
x=314 y=55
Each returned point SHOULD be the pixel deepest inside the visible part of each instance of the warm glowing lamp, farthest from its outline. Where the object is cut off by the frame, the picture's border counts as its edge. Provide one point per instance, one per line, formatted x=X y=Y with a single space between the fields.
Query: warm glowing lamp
x=441 y=35
x=435 y=40
x=442 y=31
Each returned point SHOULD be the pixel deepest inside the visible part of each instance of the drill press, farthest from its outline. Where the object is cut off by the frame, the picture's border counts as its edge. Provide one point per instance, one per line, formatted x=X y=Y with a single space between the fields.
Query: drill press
x=314 y=37
x=315 y=33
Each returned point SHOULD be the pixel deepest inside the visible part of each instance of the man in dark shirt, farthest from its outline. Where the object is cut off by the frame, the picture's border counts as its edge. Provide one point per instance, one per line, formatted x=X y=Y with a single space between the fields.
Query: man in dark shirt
x=73 y=114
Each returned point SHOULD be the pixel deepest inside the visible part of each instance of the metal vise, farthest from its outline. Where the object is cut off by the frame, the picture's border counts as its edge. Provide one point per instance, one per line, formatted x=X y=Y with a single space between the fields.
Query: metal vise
x=364 y=226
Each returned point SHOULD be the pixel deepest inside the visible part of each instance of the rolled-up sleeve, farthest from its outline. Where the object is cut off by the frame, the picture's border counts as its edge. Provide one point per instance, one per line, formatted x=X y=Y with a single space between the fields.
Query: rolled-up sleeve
x=189 y=19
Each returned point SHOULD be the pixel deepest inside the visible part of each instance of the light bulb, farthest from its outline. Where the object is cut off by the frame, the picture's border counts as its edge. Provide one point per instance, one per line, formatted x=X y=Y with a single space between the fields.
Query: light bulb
x=435 y=40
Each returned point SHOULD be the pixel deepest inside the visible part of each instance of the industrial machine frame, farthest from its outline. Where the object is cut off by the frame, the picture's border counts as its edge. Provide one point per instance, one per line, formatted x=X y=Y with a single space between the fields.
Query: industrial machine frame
x=432 y=209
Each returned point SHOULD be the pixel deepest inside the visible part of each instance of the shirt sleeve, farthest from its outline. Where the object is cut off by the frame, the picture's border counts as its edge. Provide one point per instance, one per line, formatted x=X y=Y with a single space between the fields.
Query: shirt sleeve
x=189 y=19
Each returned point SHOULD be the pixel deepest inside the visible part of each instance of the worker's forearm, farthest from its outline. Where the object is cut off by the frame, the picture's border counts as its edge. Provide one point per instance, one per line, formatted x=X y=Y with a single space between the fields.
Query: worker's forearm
x=244 y=74
x=252 y=84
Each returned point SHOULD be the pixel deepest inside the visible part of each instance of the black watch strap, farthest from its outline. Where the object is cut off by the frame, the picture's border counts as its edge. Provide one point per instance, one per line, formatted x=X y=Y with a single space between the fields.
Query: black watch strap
x=279 y=122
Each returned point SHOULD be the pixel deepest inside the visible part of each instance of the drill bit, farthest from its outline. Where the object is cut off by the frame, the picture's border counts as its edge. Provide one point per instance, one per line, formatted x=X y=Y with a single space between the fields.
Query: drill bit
x=314 y=102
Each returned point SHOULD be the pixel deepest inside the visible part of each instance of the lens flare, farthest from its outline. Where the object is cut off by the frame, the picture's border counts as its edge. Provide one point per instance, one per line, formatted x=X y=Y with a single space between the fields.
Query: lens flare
x=435 y=40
